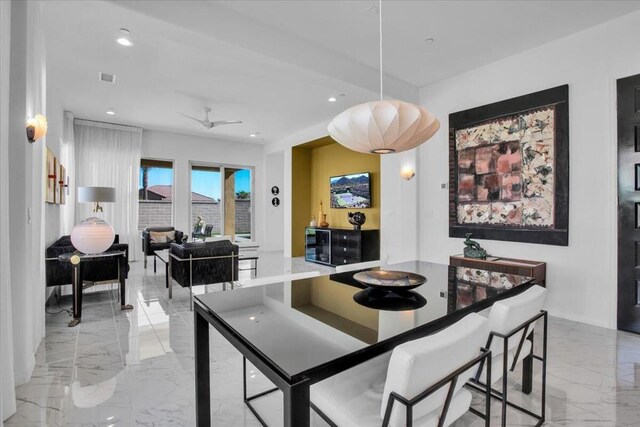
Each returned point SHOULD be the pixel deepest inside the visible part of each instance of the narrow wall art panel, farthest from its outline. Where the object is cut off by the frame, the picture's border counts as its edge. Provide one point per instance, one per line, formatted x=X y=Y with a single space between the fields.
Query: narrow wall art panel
x=50 y=176
x=509 y=169
x=62 y=185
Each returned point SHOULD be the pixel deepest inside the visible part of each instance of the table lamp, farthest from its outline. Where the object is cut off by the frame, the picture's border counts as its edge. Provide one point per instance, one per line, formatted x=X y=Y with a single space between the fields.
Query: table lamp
x=94 y=235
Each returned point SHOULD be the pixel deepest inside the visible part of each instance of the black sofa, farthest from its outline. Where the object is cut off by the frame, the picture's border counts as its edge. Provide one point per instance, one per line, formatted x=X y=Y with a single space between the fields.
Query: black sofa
x=149 y=247
x=202 y=263
x=60 y=273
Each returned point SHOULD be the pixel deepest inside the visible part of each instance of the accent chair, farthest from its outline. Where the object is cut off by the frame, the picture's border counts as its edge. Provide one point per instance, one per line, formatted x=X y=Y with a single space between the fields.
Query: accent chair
x=201 y=263
x=159 y=238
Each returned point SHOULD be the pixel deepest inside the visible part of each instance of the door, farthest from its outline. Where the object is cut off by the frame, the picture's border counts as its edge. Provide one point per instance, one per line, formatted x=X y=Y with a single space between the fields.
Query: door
x=629 y=204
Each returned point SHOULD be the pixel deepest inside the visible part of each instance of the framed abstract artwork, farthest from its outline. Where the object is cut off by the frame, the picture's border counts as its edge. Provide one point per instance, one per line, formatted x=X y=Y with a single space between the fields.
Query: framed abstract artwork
x=50 y=176
x=509 y=169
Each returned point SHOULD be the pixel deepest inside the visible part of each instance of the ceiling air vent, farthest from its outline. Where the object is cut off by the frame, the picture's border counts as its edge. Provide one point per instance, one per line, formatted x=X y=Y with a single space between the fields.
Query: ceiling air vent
x=107 y=78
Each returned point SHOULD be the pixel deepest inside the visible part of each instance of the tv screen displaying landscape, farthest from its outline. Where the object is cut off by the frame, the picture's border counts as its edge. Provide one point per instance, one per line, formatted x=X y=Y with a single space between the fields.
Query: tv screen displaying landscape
x=351 y=191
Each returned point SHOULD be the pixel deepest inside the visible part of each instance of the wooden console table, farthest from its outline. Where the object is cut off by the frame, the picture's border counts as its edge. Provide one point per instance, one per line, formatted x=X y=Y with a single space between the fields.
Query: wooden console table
x=520 y=267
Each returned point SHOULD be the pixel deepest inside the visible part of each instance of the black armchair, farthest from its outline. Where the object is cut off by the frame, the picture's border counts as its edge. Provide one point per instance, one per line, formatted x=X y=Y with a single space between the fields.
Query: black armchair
x=149 y=247
x=202 y=263
x=61 y=273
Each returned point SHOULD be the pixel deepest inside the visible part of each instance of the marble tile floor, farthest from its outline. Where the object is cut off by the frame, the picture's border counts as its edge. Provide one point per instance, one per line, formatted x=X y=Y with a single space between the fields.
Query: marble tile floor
x=136 y=368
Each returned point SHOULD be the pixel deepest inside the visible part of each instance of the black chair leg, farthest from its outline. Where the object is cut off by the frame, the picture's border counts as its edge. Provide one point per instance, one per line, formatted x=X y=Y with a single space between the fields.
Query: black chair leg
x=527 y=369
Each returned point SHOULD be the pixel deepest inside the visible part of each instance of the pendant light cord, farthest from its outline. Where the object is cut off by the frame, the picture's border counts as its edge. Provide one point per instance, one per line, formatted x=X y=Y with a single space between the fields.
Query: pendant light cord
x=380 y=32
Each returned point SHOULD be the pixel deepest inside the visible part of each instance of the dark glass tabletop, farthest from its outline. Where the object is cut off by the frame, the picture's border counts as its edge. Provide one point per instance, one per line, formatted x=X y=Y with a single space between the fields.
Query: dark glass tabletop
x=303 y=324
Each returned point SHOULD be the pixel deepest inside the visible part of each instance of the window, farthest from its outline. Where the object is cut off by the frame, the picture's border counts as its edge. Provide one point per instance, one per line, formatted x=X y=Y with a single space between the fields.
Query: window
x=155 y=194
x=242 y=203
x=221 y=202
x=206 y=207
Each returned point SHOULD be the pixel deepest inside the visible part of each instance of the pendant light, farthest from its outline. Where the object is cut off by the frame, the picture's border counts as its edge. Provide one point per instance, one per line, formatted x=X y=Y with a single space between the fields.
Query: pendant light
x=385 y=126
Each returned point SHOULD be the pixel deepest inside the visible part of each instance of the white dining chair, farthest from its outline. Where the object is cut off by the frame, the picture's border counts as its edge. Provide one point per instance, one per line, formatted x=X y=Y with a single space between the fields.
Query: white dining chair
x=511 y=323
x=420 y=383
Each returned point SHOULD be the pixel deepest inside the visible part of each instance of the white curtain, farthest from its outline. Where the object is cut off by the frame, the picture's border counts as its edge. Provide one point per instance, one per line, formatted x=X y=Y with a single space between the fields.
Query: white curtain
x=7 y=380
x=108 y=155
x=67 y=157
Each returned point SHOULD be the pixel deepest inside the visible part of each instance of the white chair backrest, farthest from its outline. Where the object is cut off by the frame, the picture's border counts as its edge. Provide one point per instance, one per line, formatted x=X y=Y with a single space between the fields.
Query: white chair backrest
x=508 y=314
x=358 y=266
x=417 y=365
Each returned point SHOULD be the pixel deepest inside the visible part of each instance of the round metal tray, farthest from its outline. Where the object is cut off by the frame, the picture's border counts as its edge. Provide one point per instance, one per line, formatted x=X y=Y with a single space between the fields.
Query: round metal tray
x=390 y=280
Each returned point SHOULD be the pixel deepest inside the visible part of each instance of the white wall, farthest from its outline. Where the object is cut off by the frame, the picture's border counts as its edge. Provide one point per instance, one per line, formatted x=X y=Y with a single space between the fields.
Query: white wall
x=182 y=149
x=274 y=216
x=399 y=208
x=581 y=278
x=7 y=389
x=26 y=187
x=53 y=213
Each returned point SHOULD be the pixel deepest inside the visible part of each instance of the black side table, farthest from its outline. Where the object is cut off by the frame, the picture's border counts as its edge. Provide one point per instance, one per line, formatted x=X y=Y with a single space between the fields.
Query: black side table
x=77 y=285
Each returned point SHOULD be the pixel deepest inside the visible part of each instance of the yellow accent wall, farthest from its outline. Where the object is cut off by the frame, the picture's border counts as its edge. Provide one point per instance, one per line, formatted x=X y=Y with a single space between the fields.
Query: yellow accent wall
x=300 y=198
x=313 y=164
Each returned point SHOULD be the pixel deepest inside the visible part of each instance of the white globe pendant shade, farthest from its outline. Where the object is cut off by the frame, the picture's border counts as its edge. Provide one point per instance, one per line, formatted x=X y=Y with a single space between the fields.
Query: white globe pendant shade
x=383 y=127
x=92 y=236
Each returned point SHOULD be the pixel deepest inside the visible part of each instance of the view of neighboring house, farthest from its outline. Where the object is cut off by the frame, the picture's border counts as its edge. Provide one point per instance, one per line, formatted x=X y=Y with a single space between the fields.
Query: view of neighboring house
x=165 y=193
x=156 y=208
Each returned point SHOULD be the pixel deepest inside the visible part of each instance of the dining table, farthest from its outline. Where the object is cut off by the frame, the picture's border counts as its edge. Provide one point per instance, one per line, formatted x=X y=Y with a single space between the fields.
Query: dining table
x=300 y=332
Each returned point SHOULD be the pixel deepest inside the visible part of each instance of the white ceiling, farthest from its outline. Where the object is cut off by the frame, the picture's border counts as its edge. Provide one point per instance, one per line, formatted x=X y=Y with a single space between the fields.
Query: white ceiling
x=273 y=64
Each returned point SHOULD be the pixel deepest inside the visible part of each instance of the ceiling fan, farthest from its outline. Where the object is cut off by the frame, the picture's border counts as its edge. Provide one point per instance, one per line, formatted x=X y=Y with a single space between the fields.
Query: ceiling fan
x=208 y=124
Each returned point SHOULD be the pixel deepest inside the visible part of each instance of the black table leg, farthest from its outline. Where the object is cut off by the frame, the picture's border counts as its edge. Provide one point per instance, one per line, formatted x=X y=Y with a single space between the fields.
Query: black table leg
x=154 y=263
x=203 y=379
x=527 y=369
x=166 y=274
x=296 y=405
x=77 y=294
x=122 y=265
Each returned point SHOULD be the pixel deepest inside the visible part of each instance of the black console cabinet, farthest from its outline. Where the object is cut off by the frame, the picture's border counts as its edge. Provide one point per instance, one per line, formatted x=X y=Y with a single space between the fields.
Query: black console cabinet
x=347 y=246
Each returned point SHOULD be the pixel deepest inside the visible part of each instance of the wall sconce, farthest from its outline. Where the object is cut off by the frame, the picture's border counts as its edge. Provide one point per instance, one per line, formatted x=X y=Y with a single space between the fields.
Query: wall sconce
x=407 y=173
x=36 y=127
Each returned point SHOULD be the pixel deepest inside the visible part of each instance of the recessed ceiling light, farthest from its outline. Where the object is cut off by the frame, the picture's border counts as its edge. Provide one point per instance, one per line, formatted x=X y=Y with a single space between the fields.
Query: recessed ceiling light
x=125 y=38
x=429 y=40
x=111 y=112
x=332 y=99
x=253 y=135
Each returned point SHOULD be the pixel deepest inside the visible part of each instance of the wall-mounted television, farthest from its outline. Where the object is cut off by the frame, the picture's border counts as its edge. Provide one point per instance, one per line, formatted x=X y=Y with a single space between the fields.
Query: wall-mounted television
x=350 y=191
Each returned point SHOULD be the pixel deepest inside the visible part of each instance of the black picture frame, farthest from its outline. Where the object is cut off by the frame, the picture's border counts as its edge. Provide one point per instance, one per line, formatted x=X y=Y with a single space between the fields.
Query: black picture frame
x=559 y=235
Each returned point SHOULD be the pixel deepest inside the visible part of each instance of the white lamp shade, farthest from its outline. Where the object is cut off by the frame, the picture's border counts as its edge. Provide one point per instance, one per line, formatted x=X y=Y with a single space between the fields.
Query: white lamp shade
x=92 y=236
x=383 y=127
x=96 y=194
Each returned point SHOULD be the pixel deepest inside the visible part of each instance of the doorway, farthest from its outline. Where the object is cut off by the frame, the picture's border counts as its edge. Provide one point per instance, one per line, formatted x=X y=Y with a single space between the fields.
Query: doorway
x=629 y=203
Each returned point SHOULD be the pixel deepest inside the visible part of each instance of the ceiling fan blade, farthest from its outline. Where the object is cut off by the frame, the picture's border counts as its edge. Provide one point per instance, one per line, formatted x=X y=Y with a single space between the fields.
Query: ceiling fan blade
x=204 y=123
x=226 y=122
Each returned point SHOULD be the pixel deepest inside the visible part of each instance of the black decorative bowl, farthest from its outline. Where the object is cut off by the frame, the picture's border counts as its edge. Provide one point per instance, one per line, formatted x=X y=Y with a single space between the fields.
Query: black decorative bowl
x=390 y=280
